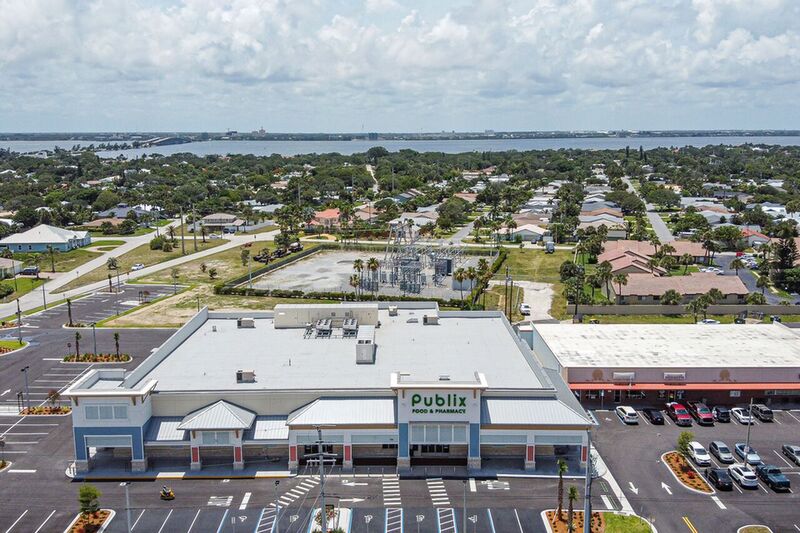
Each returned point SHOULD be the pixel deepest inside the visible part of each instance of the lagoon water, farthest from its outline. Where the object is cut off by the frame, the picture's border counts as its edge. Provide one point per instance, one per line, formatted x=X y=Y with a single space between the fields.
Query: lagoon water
x=289 y=148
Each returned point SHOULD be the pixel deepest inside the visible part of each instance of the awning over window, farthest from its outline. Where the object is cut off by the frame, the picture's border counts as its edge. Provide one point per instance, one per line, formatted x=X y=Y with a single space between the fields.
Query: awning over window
x=218 y=416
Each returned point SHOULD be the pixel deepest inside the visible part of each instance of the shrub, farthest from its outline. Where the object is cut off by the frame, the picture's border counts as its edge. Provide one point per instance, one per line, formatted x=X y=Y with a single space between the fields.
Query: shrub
x=89 y=499
x=5 y=290
x=157 y=243
x=166 y=247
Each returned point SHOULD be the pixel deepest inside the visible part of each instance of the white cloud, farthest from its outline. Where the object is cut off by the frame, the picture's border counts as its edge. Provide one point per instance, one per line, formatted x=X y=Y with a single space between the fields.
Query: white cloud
x=205 y=64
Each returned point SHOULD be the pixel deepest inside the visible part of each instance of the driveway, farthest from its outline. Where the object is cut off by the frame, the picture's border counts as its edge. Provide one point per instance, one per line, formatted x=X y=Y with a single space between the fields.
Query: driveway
x=748 y=278
x=659 y=226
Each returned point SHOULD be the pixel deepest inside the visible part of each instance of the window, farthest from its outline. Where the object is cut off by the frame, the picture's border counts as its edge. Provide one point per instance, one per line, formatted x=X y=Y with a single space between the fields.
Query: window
x=215 y=438
x=435 y=448
x=310 y=449
x=736 y=394
x=106 y=412
x=635 y=395
x=390 y=446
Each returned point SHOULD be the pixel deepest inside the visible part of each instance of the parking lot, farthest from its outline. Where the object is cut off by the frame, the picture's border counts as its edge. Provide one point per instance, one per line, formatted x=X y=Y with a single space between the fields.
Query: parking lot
x=633 y=453
x=430 y=506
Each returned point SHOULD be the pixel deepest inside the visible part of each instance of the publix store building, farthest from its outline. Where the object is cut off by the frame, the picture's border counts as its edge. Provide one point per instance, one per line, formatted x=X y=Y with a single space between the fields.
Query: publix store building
x=401 y=385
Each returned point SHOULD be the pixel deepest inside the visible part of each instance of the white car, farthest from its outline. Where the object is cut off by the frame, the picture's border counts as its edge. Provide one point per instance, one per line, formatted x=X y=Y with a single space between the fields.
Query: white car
x=708 y=321
x=137 y=266
x=627 y=414
x=524 y=309
x=741 y=415
x=745 y=477
x=699 y=454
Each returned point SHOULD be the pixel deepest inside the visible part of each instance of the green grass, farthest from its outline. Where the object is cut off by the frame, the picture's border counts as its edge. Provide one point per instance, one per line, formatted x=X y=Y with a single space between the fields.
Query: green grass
x=64 y=261
x=24 y=286
x=12 y=345
x=536 y=265
x=228 y=264
x=137 y=233
x=616 y=523
x=142 y=254
x=108 y=242
x=106 y=248
x=495 y=300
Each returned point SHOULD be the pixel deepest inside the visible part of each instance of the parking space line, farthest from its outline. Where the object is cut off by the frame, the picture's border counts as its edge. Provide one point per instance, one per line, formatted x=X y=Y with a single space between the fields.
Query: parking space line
x=666 y=421
x=17 y=520
x=790 y=414
x=782 y=458
x=519 y=523
x=245 y=501
x=491 y=520
x=222 y=522
x=718 y=502
x=736 y=486
x=45 y=521
x=165 y=521
x=193 y=521
x=137 y=519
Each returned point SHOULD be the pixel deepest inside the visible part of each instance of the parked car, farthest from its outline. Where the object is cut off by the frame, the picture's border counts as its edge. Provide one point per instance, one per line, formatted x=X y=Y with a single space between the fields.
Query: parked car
x=701 y=413
x=749 y=456
x=699 y=454
x=721 y=451
x=719 y=478
x=627 y=414
x=296 y=246
x=137 y=266
x=708 y=321
x=215 y=236
x=30 y=271
x=678 y=413
x=763 y=413
x=524 y=309
x=743 y=476
x=792 y=452
x=654 y=416
x=549 y=248
x=721 y=413
x=773 y=478
x=742 y=416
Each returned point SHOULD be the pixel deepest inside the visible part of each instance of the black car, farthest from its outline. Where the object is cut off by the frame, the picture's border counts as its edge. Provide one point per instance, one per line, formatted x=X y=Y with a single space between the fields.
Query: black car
x=720 y=478
x=654 y=416
x=763 y=413
x=721 y=414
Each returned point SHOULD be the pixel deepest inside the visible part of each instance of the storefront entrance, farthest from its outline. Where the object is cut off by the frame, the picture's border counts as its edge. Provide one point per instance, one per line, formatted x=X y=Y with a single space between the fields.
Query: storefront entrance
x=438 y=455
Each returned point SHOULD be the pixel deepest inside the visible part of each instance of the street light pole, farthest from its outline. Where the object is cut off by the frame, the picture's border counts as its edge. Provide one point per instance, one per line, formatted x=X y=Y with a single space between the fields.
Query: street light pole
x=749 y=425
x=19 y=322
x=465 y=506
x=587 y=491
x=44 y=298
x=94 y=336
x=24 y=370
x=127 y=503
x=277 y=509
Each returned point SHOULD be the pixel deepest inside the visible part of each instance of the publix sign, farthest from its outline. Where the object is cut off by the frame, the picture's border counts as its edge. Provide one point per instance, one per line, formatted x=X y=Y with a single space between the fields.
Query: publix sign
x=438 y=404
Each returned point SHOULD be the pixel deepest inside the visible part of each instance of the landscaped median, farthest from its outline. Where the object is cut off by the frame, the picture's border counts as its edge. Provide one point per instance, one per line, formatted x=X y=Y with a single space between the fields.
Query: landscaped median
x=97 y=358
x=11 y=346
x=686 y=473
x=46 y=410
x=91 y=519
x=602 y=522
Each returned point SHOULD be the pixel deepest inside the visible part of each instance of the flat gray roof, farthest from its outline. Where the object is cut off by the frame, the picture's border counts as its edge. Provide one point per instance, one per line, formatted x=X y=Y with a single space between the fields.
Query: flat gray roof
x=672 y=345
x=286 y=359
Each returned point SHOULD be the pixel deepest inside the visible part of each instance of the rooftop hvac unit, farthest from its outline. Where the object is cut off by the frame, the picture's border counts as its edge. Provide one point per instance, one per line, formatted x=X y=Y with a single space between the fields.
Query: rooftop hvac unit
x=245 y=376
x=430 y=320
x=365 y=352
x=323 y=327
x=350 y=327
x=392 y=310
x=246 y=323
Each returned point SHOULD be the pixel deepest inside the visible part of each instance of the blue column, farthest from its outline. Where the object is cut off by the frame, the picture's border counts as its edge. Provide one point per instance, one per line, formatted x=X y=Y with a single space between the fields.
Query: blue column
x=402 y=447
x=474 y=440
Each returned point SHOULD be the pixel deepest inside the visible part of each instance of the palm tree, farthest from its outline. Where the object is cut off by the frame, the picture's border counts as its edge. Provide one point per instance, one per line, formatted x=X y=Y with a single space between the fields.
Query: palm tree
x=736 y=264
x=762 y=283
x=667 y=262
x=655 y=242
x=116 y=342
x=667 y=250
x=686 y=260
x=52 y=253
x=112 y=264
x=572 y=496
x=472 y=275
x=460 y=275
x=477 y=225
x=695 y=307
x=373 y=265
x=358 y=265
x=203 y=233
x=69 y=311
x=354 y=282
x=37 y=258
x=77 y=344
x=562 y=468
x=620 y=279
x=714 y=295
x=171 y=233
x=604 y=273
x=511 y=225
x=671 y=297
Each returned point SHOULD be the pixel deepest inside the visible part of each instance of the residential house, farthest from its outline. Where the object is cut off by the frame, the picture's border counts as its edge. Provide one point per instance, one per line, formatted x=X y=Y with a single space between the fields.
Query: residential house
x=630 y=262
x=614 y=231
x=470 y=197
x=525 y=232
x=98 y=222
x=695 y=249
x=648 y=289
x=222 y=222
x=754 y=238
x=326 y=219
x=415 y=219
x=609 y=220
x=43 y=237
x=122 y=211
x=604 y=211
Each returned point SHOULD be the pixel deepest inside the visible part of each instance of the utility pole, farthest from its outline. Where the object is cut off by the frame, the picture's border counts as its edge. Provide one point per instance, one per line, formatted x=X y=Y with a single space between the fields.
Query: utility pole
x=321 y=456
x=19 y=322
x=44 y=298
x=94 y=336
x=127 y=503
x=194 y=227
x=465 y=506
x=183 y=244
x=587 y=491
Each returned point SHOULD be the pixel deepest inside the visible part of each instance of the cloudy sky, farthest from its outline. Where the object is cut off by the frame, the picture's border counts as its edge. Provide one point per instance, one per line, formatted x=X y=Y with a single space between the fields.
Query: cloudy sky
x=395 y=65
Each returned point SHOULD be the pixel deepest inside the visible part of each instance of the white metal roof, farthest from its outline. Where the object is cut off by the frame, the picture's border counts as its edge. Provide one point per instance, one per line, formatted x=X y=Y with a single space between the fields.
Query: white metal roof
x=219 y=415
x=165 y=429
x=349 y=411
x=671 y=345
x=44 y=234
x=268 y=428
x=529 y=411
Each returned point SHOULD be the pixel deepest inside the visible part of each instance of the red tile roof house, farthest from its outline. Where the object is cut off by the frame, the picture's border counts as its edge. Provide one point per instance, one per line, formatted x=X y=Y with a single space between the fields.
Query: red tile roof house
x=754 y=238
x=629 y=262
x=648 y=289
x=328 y=218
x=695 y=249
